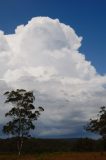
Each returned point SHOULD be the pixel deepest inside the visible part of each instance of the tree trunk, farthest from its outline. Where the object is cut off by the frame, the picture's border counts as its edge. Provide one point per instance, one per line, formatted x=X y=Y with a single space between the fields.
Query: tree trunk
x=20 y=145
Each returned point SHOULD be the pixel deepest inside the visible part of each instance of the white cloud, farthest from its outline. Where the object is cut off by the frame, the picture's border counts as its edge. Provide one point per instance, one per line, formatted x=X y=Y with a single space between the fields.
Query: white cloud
x=44 y=56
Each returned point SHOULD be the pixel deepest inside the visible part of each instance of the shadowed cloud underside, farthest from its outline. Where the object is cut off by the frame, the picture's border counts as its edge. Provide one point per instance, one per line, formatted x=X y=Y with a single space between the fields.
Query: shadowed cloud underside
x=44 y=56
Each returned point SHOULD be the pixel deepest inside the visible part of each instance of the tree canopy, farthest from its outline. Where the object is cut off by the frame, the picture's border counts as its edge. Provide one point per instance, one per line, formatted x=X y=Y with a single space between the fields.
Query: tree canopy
x=98 y=125
x=22 y=114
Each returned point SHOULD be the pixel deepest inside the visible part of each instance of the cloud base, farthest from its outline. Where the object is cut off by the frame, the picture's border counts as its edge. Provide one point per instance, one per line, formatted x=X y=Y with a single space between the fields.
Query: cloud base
x=44 y=56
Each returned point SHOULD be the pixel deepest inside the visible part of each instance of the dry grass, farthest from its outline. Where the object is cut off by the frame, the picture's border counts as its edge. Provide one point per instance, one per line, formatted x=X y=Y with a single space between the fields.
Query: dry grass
x=56 y=156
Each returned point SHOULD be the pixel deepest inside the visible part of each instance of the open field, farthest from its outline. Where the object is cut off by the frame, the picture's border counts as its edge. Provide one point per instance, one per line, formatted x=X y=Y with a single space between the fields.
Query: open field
x=57 y=156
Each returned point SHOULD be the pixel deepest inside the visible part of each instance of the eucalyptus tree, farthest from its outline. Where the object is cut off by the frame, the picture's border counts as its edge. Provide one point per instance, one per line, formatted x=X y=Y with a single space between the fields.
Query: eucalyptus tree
x=22 y=115
x=98 y=125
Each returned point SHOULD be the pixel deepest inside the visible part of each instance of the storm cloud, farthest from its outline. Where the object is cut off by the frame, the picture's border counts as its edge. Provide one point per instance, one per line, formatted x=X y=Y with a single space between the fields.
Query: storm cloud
x=44 y=56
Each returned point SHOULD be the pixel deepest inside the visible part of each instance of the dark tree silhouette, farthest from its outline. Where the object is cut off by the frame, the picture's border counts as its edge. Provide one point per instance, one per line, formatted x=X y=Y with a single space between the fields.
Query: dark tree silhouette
x=98 y=125
x=21 y=115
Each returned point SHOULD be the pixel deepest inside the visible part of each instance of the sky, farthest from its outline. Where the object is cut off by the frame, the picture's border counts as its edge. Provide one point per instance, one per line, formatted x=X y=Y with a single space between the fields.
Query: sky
x=87 y=17
x=57 y=49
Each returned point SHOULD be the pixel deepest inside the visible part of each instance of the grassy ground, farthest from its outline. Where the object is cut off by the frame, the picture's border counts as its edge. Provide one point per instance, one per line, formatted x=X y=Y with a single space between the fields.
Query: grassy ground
x=56 y=156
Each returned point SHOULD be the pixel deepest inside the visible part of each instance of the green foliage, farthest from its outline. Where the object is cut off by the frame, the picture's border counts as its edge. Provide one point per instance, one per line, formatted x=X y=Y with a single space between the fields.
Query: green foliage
x=98 y=125
x=22 y=114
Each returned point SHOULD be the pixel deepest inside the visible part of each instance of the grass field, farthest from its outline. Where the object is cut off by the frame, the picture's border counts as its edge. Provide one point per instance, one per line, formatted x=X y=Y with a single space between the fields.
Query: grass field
x=56 y=156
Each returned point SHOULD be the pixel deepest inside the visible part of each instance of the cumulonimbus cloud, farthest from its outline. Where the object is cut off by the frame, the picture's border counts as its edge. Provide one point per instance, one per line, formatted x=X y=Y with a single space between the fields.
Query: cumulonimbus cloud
x=44 y=56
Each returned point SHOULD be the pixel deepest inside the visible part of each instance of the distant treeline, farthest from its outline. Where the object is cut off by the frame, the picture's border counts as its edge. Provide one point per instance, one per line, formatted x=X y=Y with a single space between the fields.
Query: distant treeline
x=33 y=145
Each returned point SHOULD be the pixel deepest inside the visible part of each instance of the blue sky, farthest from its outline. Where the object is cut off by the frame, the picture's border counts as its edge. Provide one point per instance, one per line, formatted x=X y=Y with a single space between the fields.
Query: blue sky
x=87 y=17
